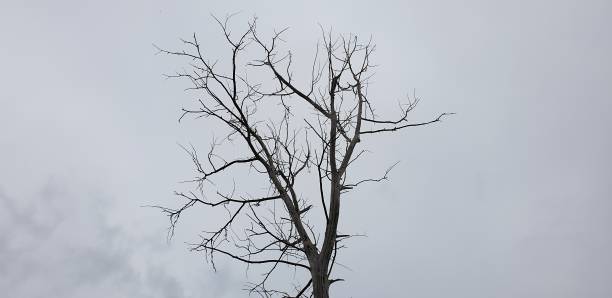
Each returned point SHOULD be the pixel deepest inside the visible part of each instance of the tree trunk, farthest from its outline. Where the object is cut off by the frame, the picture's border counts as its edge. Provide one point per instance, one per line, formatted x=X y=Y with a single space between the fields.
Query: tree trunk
x=320 y=282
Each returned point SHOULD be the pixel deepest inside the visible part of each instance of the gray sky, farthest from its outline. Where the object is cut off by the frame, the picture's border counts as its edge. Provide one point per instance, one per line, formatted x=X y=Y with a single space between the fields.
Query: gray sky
x=509 y=198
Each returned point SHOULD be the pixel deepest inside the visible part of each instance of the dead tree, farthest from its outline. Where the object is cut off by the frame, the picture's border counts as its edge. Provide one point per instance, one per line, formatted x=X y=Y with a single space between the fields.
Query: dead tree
x=286 y=133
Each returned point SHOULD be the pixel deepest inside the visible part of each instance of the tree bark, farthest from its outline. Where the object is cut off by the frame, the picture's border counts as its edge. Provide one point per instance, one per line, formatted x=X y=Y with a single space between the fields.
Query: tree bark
x=320 y=282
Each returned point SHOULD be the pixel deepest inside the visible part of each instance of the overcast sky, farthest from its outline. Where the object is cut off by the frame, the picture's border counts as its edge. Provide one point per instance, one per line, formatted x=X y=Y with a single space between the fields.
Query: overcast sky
x=511 y=197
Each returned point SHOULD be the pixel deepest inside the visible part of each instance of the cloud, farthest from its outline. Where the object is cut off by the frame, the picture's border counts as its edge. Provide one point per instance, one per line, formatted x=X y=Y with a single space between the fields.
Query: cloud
x=59 y=243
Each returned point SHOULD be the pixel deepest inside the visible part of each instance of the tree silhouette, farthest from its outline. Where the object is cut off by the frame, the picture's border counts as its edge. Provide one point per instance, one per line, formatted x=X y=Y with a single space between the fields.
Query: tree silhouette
x=283 y=148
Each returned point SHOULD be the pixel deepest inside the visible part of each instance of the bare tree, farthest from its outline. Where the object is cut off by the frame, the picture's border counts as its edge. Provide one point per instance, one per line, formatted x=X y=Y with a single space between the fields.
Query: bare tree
x=280 y=147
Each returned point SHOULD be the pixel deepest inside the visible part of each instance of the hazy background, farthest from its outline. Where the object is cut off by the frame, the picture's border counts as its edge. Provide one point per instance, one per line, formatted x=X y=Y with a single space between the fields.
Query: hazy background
x=509 y=198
